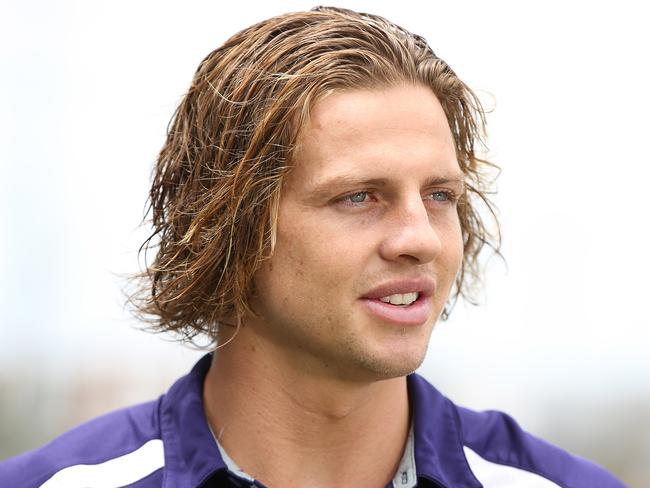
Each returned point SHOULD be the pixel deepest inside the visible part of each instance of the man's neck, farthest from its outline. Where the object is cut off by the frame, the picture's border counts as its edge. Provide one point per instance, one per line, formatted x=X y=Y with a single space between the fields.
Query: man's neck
x=287 y=428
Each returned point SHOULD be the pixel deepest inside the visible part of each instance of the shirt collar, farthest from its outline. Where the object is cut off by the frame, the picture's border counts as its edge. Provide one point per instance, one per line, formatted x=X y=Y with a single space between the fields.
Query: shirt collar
x=439 y=454
x=192 y=456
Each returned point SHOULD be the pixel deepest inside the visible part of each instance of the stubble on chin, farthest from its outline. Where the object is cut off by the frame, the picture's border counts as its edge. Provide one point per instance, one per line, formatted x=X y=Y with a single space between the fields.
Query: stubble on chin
x=384 y=361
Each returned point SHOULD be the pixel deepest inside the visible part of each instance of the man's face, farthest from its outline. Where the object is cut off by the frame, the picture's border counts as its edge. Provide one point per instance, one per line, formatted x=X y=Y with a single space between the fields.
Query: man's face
x=367 y=216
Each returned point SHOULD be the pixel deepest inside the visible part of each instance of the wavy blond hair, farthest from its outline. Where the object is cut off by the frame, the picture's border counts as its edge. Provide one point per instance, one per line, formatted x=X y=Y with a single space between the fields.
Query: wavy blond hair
x=216 y=183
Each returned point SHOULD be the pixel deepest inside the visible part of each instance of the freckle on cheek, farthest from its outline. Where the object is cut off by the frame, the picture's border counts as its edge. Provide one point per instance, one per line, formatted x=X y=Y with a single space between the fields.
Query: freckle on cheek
x=298 y=265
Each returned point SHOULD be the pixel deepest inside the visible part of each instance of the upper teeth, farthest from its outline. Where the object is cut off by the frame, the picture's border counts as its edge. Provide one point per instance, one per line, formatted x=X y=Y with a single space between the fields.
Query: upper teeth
x=401 y=298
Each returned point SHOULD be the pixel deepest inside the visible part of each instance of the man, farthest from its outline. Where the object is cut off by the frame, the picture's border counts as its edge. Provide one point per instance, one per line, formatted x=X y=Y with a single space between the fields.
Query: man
x=315 y=211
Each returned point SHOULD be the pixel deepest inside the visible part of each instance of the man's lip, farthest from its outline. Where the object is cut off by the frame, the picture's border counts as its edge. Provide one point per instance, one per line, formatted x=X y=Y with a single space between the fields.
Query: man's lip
x=425 y=286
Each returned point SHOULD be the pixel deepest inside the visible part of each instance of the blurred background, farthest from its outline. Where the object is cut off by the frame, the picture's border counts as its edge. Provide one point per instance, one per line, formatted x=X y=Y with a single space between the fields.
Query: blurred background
x=561 y=338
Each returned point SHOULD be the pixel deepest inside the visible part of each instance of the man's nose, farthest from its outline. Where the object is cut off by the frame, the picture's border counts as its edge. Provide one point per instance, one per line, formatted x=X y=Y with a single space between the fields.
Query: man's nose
x=411 y=234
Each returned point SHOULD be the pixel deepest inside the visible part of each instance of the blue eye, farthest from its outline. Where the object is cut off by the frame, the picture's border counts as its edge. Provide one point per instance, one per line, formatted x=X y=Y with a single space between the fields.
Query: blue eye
x=358 y=197
x=440 y=196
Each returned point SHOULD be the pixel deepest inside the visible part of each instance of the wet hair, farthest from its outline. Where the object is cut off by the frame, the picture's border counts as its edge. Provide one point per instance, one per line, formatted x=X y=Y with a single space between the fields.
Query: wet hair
x=218 y=178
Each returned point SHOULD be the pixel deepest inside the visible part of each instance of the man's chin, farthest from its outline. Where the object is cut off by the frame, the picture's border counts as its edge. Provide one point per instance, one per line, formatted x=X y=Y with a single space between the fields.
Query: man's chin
x=378 y=368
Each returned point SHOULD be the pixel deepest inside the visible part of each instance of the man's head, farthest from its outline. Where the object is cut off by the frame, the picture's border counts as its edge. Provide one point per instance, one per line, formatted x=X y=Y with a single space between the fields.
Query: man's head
x=239 y=143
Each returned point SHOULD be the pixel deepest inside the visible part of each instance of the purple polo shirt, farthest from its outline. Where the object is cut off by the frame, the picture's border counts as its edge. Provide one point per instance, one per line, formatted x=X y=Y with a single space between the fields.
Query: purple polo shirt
x=167 y=443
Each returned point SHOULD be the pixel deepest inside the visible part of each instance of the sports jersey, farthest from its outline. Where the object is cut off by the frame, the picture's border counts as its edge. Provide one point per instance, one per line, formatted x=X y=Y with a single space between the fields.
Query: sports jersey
x=168 y=443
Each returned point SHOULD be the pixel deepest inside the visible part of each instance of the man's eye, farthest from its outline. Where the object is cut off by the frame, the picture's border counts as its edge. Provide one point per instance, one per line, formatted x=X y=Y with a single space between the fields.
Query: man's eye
x=440 y=196
x=357 y=197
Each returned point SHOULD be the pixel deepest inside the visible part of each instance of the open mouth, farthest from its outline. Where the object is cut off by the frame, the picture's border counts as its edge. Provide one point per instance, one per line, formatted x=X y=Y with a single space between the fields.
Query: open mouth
x=405 y=301
x=402 y=309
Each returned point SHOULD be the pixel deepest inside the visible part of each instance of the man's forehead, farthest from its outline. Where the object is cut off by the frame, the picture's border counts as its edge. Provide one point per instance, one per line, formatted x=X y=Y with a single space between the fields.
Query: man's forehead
x=339 y=106
x=356 y=136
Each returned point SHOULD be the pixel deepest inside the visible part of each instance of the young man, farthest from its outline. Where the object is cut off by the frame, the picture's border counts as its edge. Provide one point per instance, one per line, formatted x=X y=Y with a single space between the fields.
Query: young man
x=315 y=209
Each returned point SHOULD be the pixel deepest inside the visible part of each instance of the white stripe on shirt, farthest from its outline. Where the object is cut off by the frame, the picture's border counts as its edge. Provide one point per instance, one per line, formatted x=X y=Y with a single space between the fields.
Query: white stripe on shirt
x=493 y=475
x=113 y=473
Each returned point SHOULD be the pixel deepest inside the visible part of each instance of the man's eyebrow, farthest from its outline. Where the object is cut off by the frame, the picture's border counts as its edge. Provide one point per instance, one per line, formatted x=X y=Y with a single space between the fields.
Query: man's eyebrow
x=331 y=185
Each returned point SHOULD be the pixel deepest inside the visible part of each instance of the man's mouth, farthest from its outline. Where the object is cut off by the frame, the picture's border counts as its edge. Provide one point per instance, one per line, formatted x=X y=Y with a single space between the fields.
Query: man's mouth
x=402 y=301
x=404 y=309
